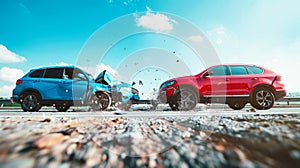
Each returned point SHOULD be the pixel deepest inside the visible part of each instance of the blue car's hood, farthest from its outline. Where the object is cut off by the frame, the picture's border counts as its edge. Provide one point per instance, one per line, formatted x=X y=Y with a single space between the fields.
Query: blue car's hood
x=108 y=79
x=104 y=78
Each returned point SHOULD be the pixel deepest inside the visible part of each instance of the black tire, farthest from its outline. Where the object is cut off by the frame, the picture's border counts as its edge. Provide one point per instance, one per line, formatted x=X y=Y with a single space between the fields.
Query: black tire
x=100 y=101
x=31 y=102
x=173 y=106
x=187 y=100
x=262 y=98
x=62 y=108
x=237 y=105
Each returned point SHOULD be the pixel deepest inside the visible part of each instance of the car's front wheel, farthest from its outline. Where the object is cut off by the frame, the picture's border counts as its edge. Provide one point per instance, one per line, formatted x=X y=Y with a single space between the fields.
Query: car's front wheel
x=187 y=100
x=262 y=98
x=31 y=102
x=100 y=101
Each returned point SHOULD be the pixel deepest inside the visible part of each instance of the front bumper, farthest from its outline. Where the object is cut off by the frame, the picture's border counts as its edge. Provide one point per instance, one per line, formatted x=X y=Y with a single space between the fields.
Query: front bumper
x=168 y=95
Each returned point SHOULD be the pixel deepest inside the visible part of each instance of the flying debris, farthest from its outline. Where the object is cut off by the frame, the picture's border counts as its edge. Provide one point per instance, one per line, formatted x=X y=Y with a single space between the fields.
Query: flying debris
x=141 y=83
x=133 y=83
x=177 y=60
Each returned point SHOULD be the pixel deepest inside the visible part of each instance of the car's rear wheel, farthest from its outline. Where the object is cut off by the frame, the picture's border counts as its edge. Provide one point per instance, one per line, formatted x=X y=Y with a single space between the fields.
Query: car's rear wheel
x=187 y=100
x=100 y=101
x=31 y=102
x=238 y=105
x=262 y=98
x=62 y=108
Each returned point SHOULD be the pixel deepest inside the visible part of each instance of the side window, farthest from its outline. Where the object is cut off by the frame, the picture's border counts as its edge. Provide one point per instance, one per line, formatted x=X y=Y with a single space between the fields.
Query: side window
x=68 y=73
x=37 y=73
x=79 y=75
x=218 y=71
x=238 y=70
x=255 y=70
x=54 y=73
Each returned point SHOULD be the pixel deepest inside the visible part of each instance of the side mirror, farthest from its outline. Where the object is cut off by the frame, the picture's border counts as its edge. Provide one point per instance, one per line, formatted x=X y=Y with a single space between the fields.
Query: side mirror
x=208 y=73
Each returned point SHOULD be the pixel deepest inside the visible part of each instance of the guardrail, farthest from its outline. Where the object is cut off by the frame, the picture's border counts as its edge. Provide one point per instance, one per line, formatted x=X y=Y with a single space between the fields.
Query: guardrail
x=285 y=99
x=289 y=99
x=2 y=102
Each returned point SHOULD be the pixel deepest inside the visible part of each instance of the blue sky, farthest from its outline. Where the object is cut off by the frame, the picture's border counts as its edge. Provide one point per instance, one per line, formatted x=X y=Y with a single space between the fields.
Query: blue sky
x=36 y=33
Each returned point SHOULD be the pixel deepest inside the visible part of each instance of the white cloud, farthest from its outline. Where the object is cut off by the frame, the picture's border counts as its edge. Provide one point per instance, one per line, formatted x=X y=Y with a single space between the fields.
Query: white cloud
x=7 y=56
x=222 y=35
x=63 y=64
x=103 y=67
x=155 y=21
x=195 y=38
x=10 y=74
x=6 y=90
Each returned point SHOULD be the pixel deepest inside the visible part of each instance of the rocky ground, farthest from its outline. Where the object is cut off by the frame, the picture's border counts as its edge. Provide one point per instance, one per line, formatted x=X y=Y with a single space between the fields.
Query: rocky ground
x=202 y=141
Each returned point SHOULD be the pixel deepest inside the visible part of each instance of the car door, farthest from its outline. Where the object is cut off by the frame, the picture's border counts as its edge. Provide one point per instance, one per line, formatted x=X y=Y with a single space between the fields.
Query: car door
x=65 y=86
x=80 y=85
x=214 y=82
x=238 y=81
x=48 y=86
x=74 y=84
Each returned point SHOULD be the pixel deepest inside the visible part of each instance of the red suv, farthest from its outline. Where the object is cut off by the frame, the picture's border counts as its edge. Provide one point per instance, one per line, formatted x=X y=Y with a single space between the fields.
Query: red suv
x=235 y=85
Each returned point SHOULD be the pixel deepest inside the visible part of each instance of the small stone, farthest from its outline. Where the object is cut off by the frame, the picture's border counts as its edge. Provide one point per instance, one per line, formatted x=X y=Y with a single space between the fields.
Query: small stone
x=152 y=163
x=8 y=128
x=295 y=154
x=186 y=135
x=67 y=131
x=49 y=140
x=220 y=148
x=73 y=124
x=46 y=120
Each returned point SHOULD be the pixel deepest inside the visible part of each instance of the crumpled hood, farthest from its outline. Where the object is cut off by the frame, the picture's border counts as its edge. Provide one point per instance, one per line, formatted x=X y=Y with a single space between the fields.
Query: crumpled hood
x=105 y=78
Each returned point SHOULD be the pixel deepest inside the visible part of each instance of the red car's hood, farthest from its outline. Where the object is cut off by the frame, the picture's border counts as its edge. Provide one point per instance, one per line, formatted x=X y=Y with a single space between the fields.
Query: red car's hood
x=184 y=79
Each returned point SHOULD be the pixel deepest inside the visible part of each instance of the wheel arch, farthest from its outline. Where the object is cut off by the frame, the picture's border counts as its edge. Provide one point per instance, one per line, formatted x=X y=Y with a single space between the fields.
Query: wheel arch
x=193 y=88
x=263 y=86
x=32 y=91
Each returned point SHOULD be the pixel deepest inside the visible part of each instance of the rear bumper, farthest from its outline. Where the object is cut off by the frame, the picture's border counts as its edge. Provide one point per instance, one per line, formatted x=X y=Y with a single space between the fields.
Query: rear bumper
x=280 y=94
x=15 y=99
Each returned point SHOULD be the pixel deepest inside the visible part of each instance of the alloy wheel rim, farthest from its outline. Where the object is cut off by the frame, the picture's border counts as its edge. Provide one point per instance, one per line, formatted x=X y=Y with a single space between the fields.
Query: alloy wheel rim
x=187 y=99
x=102 y=100
x=264 y=98
x=30 y=102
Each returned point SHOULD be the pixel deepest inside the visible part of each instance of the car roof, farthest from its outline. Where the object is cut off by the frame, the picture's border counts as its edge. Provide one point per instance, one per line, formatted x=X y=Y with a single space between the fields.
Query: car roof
x=236 y=64
x=55 y=66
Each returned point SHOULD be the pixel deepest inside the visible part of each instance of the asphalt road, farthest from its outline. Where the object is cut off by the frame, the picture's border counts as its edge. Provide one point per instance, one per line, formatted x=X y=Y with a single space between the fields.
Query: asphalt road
x=144 y=111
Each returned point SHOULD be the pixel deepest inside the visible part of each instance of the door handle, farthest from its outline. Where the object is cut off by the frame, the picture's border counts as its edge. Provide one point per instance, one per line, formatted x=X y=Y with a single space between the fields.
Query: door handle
x=36 y=81
x=227 y=80
x=253 y=78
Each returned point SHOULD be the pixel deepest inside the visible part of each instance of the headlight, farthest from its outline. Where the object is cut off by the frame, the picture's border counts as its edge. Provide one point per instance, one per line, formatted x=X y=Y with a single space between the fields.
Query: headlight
x=166 y=84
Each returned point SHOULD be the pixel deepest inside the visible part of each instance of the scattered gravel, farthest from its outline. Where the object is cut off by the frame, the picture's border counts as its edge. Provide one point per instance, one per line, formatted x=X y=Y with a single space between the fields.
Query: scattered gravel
x=202 y=141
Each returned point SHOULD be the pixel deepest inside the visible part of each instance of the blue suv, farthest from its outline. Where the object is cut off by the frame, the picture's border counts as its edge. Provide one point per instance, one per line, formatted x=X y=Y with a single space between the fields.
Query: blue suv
x=65 y=86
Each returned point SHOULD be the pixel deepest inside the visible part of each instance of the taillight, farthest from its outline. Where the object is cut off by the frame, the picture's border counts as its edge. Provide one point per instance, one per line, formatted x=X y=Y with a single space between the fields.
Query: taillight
x=18 y=82
x=278 y=78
